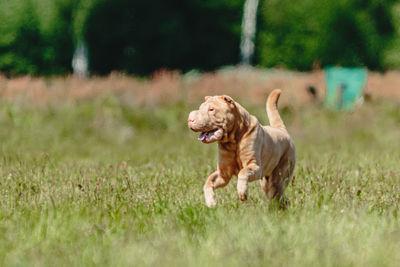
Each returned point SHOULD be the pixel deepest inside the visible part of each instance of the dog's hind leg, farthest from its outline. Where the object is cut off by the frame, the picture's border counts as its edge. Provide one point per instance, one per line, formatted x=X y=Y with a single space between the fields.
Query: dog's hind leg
x=264 y=184
x=278 y=181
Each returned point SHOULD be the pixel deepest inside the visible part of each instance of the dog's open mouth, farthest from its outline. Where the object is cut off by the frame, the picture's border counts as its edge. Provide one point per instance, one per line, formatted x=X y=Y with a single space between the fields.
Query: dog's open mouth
x=204 y=136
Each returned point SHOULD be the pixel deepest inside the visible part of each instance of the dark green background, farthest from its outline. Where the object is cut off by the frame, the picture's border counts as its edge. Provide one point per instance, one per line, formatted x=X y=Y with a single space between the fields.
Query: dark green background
x=135 y=36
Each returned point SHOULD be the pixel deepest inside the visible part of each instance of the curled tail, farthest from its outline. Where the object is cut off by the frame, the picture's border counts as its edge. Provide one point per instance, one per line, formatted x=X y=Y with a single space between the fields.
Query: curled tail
x=272 y=110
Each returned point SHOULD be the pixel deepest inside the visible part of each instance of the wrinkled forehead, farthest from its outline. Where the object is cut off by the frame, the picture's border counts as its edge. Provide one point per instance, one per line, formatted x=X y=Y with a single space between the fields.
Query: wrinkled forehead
x=213 y=101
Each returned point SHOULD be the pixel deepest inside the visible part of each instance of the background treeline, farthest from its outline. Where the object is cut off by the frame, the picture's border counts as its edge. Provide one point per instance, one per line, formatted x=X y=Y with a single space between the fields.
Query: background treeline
x=135 y=36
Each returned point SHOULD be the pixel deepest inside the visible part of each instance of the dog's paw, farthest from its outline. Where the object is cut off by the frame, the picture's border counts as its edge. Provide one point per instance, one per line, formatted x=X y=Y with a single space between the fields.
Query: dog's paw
x=242 y=196
x=242 y=190
x=211 y=203
x=209 y=196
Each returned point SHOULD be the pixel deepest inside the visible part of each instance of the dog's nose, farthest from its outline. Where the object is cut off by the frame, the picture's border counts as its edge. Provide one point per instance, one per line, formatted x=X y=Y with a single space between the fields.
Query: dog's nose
x=190 y=121
x=191 y=117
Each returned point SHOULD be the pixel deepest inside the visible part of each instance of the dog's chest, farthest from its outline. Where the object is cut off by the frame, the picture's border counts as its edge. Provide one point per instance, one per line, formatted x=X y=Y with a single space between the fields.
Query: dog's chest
x=228 y=160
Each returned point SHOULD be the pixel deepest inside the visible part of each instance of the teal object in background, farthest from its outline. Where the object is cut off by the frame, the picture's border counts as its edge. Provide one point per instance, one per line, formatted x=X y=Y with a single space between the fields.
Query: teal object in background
x=344 y=86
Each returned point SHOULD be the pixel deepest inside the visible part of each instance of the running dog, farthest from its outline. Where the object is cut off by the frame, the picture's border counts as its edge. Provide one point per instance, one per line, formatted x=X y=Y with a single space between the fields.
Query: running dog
x=246 y=148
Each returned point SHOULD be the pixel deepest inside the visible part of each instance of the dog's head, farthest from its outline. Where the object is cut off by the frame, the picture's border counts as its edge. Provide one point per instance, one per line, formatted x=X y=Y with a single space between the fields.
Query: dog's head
x=214 y=119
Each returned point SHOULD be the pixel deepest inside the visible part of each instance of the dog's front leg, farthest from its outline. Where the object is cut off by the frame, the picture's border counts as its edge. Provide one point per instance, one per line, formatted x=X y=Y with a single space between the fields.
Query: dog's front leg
x=247 y=174
x=215 y=180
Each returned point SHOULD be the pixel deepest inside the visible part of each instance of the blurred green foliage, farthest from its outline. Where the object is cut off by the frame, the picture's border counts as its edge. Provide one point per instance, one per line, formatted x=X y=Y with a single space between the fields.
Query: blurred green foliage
x=35 y=36
x=325 y=32
x=38 y=36
x=142 y=36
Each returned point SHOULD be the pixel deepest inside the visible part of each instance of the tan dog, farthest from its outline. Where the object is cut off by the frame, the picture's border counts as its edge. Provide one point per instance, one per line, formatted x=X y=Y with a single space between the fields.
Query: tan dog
x=245 y=147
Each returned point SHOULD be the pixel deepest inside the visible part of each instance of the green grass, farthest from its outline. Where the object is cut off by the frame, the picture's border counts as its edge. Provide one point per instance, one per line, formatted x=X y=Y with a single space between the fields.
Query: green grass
x=104 y=183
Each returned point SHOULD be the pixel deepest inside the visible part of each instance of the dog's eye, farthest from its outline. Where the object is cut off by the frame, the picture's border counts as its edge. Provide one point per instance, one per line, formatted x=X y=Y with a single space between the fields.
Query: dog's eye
x=210 y=109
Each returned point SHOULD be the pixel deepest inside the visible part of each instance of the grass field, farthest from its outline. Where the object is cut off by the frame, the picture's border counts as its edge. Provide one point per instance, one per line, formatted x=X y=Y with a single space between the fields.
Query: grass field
x=102 y=182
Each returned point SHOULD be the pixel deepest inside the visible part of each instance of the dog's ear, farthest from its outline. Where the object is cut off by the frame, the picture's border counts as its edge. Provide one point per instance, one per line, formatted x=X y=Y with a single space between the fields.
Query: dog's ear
x=207 y=97
x=227 y=99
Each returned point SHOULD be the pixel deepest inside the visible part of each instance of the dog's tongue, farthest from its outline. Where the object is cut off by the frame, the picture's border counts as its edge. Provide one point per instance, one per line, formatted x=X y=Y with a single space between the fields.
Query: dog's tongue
x=202 y=136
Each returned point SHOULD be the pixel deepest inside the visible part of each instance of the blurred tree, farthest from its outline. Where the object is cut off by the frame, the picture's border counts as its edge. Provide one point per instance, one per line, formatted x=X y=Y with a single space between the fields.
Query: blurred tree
x=392 y=54
x=135 y=36
x=35 y=36
x=344 y=32
x=143 y=36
